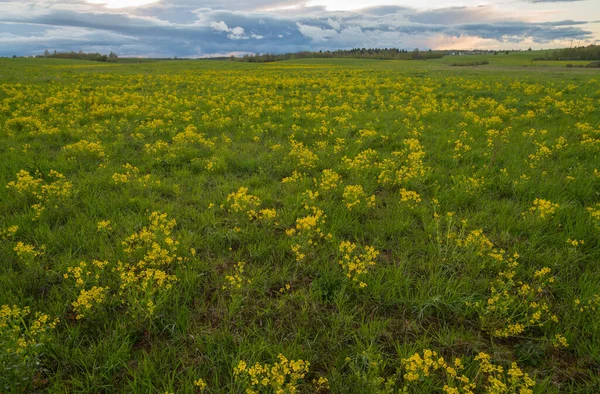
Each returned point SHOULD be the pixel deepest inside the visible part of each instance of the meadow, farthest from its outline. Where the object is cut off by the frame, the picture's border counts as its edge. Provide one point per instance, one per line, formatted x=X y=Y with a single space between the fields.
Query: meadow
x=314 y=226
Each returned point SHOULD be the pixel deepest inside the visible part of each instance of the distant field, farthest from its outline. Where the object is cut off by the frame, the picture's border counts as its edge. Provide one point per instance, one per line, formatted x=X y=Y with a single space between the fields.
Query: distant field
x=523 y=59
x=308 y=226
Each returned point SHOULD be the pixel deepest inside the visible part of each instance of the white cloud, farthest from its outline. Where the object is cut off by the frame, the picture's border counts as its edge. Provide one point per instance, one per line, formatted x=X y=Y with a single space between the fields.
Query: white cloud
x=122 y=3
x=333 y=23
x=316 y=33
x=219 y=26
x=237 y=31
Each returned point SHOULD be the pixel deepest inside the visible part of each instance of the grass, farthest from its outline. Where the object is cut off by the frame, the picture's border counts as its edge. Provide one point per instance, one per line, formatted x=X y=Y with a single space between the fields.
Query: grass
x=477 y=146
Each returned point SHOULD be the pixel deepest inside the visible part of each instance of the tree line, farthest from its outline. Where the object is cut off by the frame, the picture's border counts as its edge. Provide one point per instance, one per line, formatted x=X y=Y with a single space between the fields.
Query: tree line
x=590 y=52
x=356 y=53
x=98 y=57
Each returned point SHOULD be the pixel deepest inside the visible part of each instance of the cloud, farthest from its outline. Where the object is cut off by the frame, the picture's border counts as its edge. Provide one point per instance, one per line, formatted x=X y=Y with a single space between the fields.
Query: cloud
x=514 y=32
x=454 y=15
x=187 y=28
x=553 y=1
x=334 y=24
x=235 y=33
x=219 y=26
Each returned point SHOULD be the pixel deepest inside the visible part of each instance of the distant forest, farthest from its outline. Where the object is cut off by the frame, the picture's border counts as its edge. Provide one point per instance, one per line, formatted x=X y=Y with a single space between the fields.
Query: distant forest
x=98 y=57
x=356 y=53
x=590 y=52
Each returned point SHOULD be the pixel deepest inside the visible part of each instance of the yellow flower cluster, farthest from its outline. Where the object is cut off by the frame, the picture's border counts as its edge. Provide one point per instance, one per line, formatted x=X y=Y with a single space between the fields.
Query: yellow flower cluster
x=515 y=306
x=159 y=150
x=190 y=137
x=9 y=232
x=83 y=274
x=404 y=165
x=144 y=280
x=417 y=367
x=367 y=135
x=542 y=209
x=48 y=194
x=355 y=198
x=267 y=214
x=355 y=261
x=591 y=140
x=560 y=143
x=477 y=241
x=339 y=145
x=143 y=289
x=26 y=183
x=88 y=276
x=452 y=378
x=200 y=384
x=543 y=152
x=470 y=185
x=282 y=377
x=498 y=382
x=590 y=305
x=104 y=225
x=459 y=148
x=30 y=124
x=362 y=161
x=321 y=385
x=12 y=324
x=560 y=341
x=303 y=157
x=22 y=339
x=590 y=137
x=595 y=212
x=575 y=242
x=241 y=201
x=495 y=137
x=27 y=253
x=410 y=198
x=85 y=149
x=154 y=241
x=310 y=196
x=295 y=177
x=329 y=180
x=307 y=232
x=132 y=173
x=236 y=280
x=86 y=300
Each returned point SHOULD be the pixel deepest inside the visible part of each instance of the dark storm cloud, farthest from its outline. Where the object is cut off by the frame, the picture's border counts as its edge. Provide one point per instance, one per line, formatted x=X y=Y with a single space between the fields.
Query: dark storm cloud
x=188 y=28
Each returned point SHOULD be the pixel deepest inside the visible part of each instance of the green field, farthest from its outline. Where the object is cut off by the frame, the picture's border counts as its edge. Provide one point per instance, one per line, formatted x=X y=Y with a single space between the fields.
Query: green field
x=308 y=226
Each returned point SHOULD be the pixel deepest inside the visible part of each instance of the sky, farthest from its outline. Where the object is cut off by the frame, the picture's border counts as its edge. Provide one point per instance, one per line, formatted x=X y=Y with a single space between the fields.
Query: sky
x=203 y=28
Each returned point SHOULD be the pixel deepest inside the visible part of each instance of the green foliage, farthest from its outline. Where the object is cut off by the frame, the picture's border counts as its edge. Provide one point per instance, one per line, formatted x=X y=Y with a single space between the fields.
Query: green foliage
x=97 y=57
x=590 y=52
x=355 y=53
